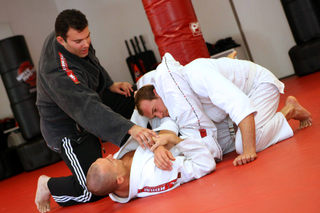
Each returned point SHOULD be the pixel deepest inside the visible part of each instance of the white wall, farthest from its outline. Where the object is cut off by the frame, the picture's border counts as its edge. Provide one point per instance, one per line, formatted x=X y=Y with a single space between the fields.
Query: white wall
x=217 y=20
x=113 y=21
x=5 y=32
x=268 y=34
x=34 y=19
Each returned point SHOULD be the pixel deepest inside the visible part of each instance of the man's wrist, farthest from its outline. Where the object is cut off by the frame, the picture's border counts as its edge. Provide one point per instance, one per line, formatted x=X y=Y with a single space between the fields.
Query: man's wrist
x=175 y=139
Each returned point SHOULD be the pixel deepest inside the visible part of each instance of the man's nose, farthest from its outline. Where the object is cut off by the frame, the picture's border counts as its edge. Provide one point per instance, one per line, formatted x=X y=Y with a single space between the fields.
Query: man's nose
x=159 y=115
x=86 y=43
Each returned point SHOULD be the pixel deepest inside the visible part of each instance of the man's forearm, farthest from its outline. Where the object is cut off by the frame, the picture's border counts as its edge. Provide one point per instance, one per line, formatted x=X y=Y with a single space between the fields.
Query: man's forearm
x=174 y=140
x=247 y=128
x=167 y=139
x=162 y=155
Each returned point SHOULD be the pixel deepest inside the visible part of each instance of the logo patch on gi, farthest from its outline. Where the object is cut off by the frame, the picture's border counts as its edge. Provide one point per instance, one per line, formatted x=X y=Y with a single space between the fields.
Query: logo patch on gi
x=69 y=72
x=159 y=188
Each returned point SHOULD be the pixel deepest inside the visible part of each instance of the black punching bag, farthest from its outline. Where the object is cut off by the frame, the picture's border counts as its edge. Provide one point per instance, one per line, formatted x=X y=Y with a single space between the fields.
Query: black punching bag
x=304 y=19
x=19 y=78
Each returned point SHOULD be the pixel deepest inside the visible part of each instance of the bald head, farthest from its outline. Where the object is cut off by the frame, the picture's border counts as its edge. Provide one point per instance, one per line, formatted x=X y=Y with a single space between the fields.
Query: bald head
x=101 y=181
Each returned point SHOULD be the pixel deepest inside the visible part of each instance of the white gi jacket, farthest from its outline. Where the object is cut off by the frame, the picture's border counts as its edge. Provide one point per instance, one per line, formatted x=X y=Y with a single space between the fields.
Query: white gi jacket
x=165 y=123
x=238 y=88
x=224 y=86
x=183 y=104
x=225 y=140
x=146 y=179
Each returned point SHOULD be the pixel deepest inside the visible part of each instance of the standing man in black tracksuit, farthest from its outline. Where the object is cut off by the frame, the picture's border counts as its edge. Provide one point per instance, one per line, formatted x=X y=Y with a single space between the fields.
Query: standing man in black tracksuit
x=77 y=101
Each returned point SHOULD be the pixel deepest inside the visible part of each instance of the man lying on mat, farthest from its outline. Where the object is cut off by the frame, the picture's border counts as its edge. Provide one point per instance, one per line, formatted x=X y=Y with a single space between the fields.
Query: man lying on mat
x=246 y=92
x=132 y=172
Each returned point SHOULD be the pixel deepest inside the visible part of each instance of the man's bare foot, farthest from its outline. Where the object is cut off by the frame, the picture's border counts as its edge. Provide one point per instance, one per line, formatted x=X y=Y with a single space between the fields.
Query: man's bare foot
x=293 y=110
x=232 y=55
x=43 y=194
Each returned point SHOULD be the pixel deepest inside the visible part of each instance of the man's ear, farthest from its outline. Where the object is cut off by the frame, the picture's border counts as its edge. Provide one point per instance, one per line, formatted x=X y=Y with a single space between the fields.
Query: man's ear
x=120 y=180
x=155 y=93
x=61 y=40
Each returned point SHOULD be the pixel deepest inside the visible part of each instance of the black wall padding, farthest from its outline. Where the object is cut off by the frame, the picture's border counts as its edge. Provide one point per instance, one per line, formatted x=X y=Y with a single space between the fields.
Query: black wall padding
x=36 y=154
x=10 y=164
x=304 y=18
x=3 y=139
x=305 y=57
x=19 y=78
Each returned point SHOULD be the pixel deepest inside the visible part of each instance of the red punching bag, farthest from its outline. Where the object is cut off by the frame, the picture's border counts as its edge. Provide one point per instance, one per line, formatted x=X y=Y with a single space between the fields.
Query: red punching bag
x=176 y=29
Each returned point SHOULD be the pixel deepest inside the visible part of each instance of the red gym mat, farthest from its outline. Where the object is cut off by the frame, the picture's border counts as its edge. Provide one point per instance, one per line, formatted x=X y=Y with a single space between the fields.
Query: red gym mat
x=284 y=178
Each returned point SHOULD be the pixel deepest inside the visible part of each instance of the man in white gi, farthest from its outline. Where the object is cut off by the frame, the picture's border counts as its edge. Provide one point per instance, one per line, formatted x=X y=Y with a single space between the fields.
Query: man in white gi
x=222 y=132
x=244 y=91
x=131 y=172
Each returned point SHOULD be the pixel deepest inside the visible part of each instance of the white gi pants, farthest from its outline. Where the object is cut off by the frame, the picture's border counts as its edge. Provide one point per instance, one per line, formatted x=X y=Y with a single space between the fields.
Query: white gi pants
x=271 y=126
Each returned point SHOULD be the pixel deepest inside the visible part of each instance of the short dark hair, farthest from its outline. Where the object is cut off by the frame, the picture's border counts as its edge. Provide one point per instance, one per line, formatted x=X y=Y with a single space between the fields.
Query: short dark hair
x=67 y=19
x=144 y=93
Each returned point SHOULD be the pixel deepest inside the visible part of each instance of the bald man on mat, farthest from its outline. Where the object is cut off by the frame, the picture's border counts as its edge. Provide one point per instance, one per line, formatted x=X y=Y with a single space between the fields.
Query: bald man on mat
x=132 y=172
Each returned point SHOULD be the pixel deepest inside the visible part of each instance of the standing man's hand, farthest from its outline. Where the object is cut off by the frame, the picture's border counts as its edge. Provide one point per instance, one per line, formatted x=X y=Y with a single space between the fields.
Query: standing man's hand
x=143 y=136
x=122 y=88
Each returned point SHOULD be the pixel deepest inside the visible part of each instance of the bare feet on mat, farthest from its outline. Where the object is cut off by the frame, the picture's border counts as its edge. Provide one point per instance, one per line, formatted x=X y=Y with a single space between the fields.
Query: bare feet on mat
x=293 y=110
x=43 y=194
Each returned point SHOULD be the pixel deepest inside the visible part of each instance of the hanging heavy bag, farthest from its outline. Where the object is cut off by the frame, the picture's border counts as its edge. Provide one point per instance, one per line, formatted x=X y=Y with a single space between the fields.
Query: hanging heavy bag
x=19 y=78
x=176 y=29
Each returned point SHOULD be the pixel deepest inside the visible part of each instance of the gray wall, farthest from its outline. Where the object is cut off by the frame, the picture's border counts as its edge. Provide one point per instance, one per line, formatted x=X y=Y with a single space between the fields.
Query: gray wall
x=113 y=21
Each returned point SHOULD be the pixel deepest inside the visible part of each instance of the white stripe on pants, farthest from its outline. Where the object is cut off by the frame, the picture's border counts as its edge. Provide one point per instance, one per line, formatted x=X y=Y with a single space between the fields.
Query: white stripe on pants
x=86 y=196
